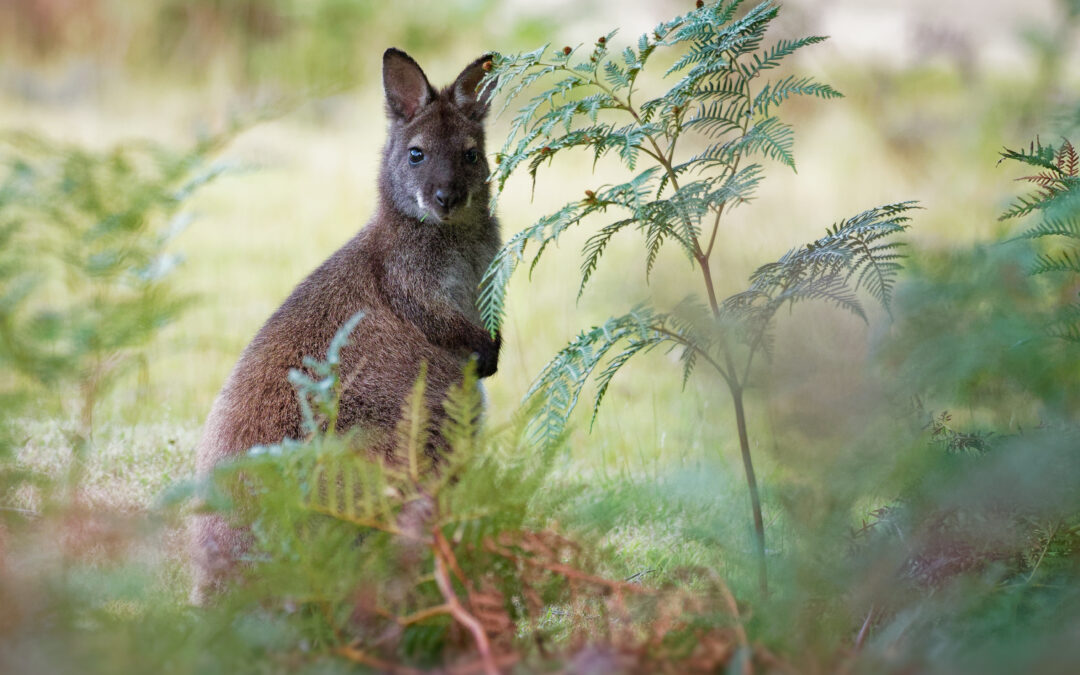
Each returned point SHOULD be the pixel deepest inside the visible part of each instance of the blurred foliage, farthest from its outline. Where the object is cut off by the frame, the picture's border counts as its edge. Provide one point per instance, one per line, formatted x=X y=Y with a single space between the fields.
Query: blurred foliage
x=85 y=270
x=317 y=46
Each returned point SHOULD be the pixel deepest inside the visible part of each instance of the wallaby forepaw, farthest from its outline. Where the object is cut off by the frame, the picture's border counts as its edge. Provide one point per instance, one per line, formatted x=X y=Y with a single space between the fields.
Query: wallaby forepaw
x=487 y=357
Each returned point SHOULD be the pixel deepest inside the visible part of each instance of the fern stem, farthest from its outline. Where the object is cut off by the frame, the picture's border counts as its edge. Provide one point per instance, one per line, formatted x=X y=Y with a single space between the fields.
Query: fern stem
x=687 y=343
x=751 y=483
x=706 y=273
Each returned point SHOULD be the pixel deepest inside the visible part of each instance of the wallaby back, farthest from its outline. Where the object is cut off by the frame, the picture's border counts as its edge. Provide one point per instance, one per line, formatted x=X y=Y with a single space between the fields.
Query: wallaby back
x=413 y=269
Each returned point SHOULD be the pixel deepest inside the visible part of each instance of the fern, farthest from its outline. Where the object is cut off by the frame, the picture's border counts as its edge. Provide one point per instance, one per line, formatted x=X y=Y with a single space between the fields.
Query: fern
x=716 y=52
x=1057 y=207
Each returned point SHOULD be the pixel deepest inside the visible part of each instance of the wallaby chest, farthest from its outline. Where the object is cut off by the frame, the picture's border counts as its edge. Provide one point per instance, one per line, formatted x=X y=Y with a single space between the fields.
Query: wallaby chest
x=448 y=267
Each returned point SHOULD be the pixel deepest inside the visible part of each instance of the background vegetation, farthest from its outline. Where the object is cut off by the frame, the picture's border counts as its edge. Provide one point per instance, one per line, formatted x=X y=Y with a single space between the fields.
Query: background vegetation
x=171 y=169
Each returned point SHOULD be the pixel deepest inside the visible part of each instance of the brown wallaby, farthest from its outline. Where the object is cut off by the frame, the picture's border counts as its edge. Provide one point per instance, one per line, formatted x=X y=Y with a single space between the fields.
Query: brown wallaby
x=414 y=270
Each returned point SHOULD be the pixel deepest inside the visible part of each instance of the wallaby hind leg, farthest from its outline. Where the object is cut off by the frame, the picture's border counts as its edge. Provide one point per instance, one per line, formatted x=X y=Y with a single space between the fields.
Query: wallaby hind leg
x=217 y=551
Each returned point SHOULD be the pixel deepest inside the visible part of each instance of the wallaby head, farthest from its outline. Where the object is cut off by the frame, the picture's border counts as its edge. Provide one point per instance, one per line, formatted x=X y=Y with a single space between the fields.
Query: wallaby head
x=433 y=167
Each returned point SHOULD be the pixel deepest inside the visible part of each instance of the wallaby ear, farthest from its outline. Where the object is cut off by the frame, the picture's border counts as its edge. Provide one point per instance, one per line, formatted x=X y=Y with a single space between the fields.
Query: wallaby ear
x=407 y=88
x=464 y=90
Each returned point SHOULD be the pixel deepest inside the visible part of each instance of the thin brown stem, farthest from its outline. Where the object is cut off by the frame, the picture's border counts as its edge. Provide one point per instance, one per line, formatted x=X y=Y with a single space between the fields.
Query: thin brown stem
x=751 y=483
x=865 y=629
x=706 y=273
x=462 y=616
x=357 y=655
x=565 y=570
x=715 y=229
x=417 y=617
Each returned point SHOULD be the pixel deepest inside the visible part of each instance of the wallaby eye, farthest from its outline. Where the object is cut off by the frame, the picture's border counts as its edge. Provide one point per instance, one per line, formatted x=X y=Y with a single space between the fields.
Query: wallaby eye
x=471 y=156
x=416 y=155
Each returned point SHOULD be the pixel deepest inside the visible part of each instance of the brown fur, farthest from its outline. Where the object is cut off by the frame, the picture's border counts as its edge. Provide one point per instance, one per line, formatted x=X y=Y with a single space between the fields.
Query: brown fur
x=413 y=269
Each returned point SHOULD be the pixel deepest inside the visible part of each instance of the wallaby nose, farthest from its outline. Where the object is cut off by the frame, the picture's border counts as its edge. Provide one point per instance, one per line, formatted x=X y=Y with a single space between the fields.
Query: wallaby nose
x=446 y=200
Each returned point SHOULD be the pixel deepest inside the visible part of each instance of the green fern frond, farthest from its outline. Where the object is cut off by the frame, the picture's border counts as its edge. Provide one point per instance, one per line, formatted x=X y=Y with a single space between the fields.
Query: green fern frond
x=1063 y=261
x=558 y=387
x=769 y=137
x=775 y=93
x=464 y=406
x=603 y=380
x=829 y=288
x=594 y=249
x=412 y=432
x=1027 y=204
x=1067 y=226
x=1066 y=323
x=491 y=299
x=854 y=254
x=1035 y=155
x=720 y=117
x=773 y=56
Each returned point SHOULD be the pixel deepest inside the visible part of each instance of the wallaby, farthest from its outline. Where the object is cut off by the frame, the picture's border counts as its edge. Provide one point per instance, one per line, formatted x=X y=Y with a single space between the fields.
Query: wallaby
x=414 y=270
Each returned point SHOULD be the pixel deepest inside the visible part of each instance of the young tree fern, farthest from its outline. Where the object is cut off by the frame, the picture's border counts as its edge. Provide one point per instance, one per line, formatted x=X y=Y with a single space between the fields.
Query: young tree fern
x=721 y=94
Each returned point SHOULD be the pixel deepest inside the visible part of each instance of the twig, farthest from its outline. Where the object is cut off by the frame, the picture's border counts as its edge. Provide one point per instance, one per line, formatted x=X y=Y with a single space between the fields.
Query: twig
x=357 y=655
x=443 y=547
x=865 y=630
x=565 y=570
x=638 y=575
x=417 y=617
x=463 y=617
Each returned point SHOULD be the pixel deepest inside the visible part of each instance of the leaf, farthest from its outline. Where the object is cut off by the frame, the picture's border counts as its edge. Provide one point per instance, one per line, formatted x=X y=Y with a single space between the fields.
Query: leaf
x=1036 y=155
x=1063 y=261
x=774 y=55
x=1067 y=160
x=770 y=137
x=773 y=94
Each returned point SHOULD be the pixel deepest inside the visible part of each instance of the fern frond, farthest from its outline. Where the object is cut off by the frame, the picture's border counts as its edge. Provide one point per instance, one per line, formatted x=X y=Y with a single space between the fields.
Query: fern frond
x=558 y=387
x=594 y=249
x=854 y=254
x=777 y=53
x=1064 y=261
x=769 y=137
x=1044 y=179
x=1026 y=204
x=719 y=118
x=775 y=93
x=1066 y=323
x=491 y=299
x=1036 y=155
x=1067 y=159
x=1067 y=226
x=412 y=432
x=603 y=380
